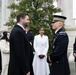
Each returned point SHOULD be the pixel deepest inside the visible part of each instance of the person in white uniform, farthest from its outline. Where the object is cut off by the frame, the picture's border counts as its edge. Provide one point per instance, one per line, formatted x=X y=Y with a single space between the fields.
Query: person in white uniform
x=5 y=51
x=41 y=45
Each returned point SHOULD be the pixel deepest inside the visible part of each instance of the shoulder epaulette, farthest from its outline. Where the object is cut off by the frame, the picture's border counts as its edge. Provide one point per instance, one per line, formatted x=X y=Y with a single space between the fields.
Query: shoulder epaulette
x=62 y=33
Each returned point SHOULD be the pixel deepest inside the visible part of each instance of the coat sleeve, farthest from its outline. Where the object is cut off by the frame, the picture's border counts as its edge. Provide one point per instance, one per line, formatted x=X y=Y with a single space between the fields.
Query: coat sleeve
x=35 y=46
x=32 y=38
x=60 y=48
x=5 y=47
x=74 y=46
x=20 y=53
x=46 y=47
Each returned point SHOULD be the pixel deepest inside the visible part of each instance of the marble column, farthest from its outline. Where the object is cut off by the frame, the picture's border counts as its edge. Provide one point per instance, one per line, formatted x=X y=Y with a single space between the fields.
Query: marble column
x=5 y=13
x=0 y=11
x=67 y=10
x=74 y=9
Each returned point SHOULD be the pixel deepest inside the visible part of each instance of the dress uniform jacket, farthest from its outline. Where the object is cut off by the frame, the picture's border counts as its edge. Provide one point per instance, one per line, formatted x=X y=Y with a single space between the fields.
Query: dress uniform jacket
x=20 y=53
x=60 y=65
x=74 y=48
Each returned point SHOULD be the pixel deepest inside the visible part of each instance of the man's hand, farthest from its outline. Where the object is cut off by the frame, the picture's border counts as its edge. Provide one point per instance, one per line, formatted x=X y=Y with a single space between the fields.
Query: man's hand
x=74 y=54
x=49 y=60
x=28 y=73
x=41 y=56
x=0 y=71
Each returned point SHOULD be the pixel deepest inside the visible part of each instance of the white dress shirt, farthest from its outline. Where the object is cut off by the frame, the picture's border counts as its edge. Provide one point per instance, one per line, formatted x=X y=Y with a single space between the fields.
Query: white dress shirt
x=57 y=30
x=21 y=26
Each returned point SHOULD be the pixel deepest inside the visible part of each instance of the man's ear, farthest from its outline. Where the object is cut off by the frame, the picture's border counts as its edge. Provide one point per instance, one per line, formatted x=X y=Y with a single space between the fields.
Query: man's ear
x=21 y=19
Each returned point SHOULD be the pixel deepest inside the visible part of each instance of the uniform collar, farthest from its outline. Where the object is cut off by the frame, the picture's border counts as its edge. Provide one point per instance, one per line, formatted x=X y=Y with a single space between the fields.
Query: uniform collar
x=59 y=30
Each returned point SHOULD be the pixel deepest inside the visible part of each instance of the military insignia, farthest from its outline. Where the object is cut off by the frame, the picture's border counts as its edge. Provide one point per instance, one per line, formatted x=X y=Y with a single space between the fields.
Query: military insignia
x=30 y=43
x=62 y=33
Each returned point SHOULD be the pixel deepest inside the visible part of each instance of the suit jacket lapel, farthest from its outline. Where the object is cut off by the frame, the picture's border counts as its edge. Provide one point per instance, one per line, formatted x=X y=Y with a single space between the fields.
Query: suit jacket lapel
x=22 y=30
x=55 y=35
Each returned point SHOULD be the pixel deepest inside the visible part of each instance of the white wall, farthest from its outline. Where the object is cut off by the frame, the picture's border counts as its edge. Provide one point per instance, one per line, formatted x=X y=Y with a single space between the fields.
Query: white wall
x=4 y=14
x=0 y=11
x=67 y=10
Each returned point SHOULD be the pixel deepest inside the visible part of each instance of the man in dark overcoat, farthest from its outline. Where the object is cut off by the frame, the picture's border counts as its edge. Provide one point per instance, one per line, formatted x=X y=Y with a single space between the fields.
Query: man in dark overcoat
x=58 y=57
x=20 y=53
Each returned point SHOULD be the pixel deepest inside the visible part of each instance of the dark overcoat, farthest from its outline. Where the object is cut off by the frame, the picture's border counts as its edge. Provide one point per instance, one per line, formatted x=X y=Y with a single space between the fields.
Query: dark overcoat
x=20 y=54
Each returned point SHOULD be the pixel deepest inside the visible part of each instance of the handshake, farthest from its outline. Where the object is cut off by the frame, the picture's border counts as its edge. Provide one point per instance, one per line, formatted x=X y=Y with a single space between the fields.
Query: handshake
x=41 y=56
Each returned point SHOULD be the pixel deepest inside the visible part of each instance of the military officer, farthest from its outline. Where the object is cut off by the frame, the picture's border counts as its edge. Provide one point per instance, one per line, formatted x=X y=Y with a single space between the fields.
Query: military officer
x=58 y=57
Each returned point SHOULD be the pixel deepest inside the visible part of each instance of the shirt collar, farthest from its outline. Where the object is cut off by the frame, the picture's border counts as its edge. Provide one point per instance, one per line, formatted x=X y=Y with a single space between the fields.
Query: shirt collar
x=40 y=35
x=26 y=32
x=21 y=26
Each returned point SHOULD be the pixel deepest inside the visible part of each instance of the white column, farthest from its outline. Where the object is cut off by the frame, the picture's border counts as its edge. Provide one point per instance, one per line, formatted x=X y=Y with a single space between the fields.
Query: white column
x=74 y=11
x=0 y=11
x=3 y=16
x=67 y=10
x=3 y=12
x=8 y=11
